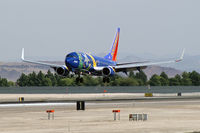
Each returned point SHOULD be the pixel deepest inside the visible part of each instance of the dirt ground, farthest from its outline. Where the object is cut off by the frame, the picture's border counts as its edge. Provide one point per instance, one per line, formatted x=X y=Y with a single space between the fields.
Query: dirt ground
x=180 y=116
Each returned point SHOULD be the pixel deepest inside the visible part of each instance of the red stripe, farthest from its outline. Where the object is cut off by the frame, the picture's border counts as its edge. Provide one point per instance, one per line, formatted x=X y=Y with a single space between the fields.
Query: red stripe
x=116 y=48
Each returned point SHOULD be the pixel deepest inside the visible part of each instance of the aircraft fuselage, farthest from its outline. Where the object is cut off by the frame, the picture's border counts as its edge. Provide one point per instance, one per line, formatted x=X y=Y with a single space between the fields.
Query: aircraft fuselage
x=79 y=61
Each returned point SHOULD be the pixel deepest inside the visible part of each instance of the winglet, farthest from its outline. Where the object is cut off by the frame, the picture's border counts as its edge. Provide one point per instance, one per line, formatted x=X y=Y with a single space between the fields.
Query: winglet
x=22 y=54
x=182 y=55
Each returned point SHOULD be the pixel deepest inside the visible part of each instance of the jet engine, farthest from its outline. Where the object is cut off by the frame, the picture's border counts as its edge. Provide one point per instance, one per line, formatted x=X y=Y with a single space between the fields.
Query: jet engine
x=108 y=71
x=63 y=71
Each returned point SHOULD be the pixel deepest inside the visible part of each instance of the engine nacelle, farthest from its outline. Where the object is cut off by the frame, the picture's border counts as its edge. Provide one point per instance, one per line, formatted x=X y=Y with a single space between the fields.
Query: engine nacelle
x=63 y=71
x=108 y=71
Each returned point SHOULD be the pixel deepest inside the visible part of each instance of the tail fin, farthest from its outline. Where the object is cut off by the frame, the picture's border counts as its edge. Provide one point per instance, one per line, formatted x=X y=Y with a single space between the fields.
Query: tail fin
x=112 y=55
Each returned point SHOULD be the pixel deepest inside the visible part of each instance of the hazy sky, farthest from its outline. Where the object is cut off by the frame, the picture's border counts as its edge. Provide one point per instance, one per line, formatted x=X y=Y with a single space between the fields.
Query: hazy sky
x=52 y=28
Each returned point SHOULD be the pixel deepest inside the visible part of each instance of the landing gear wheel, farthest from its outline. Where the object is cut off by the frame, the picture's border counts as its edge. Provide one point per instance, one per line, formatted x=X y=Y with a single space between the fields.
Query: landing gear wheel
x=106 y=79
x=77 y=80
x=81 y=80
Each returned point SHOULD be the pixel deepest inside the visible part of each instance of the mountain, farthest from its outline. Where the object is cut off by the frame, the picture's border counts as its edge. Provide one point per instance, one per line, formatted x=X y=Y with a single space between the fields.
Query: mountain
x=151 y=70
x=13 y=70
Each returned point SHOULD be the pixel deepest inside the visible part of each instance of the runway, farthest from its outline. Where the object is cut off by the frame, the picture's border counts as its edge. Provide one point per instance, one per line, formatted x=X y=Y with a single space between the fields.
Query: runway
x=167 y=113
x=164 y=116
x=46 y=98
x=103 y=103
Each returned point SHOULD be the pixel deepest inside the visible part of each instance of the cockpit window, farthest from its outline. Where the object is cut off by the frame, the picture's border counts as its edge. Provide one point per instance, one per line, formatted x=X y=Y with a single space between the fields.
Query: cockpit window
x=69 y=55
x=73 y=55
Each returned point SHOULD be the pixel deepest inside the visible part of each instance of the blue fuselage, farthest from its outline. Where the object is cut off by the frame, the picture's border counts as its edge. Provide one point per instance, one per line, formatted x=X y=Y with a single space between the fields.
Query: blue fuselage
x=78 y=61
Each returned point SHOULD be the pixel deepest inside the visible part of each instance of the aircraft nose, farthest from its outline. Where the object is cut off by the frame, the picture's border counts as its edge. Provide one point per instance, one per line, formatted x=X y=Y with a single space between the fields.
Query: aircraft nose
x=68 y=60
x=72 y=62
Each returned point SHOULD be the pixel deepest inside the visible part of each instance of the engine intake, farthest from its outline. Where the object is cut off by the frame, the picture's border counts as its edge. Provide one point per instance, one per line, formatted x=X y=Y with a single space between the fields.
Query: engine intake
x=63 y=71
x=108 y=71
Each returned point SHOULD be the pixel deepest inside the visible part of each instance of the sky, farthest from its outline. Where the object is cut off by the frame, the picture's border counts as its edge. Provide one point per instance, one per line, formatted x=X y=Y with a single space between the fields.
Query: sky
x=53 y=28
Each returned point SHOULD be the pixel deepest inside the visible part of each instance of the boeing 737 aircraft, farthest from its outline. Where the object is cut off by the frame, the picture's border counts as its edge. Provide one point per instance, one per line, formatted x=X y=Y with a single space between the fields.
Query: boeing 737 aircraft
x=84 y=63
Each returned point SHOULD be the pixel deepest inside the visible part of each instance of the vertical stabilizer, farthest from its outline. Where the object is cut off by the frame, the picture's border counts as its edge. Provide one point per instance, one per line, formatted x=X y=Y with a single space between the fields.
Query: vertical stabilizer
x=112 y=55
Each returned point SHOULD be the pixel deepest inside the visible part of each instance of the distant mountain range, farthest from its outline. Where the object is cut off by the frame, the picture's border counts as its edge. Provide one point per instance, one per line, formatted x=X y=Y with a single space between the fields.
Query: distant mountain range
x=13 y=70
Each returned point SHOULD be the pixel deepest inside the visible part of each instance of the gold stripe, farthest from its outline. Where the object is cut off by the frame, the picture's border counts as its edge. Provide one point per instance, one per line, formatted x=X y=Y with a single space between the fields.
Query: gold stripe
x=113 y=69
x=93 y=60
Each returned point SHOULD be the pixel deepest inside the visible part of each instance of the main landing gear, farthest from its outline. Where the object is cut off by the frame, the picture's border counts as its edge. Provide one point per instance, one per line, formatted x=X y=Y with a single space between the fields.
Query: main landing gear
x=106 y=79
x=79 y=79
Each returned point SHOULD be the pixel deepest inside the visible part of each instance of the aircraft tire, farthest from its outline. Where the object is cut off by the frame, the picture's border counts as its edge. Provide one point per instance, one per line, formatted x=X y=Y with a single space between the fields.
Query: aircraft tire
x=106 y=79
x=81 y=80
x=77 y=80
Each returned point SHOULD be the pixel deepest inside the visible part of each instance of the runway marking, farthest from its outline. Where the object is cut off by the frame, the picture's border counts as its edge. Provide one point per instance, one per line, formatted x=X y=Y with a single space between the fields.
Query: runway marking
x=97 y=103
x=53 y=104
x=36 y=104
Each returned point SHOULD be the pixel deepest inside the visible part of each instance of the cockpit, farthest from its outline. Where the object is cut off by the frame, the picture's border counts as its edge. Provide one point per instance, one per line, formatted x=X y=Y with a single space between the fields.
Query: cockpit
x=72 y=60
x=72 y=55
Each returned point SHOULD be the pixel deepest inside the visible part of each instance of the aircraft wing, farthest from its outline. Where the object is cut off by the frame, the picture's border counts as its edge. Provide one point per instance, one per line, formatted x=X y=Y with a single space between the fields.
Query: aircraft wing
x=141 y=65
x=128 y=63
x=40 y=63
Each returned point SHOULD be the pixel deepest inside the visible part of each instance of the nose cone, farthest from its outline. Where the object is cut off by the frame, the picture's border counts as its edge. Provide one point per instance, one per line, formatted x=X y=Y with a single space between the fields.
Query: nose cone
x=71 y=62
x=68 y=60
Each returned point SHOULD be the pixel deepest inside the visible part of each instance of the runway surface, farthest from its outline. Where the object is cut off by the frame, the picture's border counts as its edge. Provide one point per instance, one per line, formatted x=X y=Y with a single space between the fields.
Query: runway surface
x=46 y=98
x=174 y=116
x=103 y=103
x=163 y=117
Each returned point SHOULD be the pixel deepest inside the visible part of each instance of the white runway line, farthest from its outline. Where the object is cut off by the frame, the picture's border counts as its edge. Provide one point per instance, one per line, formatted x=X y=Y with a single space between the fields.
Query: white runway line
x=57 y=104
x=36 y=104
x=95 y=104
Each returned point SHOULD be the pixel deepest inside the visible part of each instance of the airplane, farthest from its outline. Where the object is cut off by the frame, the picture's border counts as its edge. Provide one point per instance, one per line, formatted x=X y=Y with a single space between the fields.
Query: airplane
x=80 y=63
